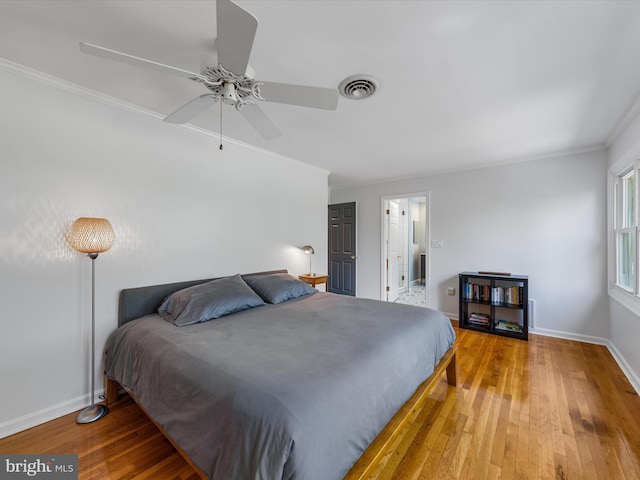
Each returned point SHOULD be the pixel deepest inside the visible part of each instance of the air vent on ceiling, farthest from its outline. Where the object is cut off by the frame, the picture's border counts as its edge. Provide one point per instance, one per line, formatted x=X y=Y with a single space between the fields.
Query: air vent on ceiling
x=358 y=87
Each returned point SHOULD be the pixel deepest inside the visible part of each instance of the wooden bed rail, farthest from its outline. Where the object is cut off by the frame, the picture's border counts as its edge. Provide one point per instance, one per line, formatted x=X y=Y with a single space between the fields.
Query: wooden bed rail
x=112 y=389
x=370 y=459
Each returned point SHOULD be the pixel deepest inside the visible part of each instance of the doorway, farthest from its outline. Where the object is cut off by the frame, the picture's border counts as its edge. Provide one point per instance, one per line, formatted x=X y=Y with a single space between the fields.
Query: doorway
x=405 y=252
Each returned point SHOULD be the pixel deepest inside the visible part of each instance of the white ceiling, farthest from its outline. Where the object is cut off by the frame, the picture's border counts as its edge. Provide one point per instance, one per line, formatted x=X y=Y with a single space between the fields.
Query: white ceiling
x=463 y=84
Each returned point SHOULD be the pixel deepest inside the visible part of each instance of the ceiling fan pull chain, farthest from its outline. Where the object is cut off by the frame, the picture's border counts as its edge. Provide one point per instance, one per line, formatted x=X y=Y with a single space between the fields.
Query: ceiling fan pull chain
x=220 y=125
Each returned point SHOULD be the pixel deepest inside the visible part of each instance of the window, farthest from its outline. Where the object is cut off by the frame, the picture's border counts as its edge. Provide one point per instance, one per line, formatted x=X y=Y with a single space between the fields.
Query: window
x=626 y=231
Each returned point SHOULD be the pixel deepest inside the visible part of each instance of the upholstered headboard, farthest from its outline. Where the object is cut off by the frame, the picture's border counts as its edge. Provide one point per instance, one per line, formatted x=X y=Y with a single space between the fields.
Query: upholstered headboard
x=138 y=302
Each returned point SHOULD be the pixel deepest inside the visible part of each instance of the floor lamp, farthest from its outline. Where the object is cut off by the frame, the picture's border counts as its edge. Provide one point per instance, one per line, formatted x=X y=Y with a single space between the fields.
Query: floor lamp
x=92 y=236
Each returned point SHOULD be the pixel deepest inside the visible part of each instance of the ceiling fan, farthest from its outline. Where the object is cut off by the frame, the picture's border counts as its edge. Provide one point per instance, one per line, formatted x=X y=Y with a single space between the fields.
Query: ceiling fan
x=232 y=80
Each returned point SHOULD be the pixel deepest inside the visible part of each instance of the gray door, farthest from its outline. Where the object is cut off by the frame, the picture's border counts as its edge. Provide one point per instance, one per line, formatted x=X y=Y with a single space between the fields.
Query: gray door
x=342 y=249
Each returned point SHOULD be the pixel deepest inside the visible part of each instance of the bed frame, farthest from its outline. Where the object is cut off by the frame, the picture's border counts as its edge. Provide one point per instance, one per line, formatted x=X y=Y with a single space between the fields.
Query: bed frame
x=138 y=302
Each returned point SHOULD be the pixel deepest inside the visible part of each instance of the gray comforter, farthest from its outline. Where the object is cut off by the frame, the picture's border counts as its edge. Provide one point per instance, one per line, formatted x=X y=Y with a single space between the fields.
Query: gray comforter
x=290 y=391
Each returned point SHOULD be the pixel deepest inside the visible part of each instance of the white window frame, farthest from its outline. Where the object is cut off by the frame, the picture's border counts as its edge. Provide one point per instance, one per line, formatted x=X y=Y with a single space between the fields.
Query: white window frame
x=629 y=297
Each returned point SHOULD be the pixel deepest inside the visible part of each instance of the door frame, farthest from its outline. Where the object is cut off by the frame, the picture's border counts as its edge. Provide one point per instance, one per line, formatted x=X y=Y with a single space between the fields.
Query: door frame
x=393 y=291
x=427 y=242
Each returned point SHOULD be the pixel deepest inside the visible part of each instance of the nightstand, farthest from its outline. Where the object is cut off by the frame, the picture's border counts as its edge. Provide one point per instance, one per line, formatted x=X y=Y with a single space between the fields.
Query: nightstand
x=314 y=279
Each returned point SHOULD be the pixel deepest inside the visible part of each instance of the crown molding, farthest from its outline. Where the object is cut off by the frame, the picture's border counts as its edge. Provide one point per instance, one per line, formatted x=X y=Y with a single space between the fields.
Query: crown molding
x=75 y=89
x=498 y=163
x=624 y=122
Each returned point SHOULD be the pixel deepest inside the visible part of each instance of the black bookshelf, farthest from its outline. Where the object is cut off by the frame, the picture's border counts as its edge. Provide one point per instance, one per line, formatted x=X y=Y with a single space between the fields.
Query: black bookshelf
x=494 y=302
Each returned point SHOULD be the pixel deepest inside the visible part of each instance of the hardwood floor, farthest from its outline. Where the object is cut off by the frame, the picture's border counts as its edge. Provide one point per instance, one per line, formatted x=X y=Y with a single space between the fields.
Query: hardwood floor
x=543 y=409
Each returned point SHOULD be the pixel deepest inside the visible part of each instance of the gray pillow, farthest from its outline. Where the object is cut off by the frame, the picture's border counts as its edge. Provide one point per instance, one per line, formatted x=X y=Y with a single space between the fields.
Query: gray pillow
x=209 y=300
x=278 y=287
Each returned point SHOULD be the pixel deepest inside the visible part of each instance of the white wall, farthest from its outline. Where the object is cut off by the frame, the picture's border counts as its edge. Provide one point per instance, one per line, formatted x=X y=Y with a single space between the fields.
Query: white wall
x=543 y=218
x=181 y=209
x=625 y=325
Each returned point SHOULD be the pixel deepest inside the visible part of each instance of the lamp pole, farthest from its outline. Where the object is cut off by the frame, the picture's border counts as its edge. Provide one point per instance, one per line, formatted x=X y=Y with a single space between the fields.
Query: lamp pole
x=92 y=236
x=93 y=412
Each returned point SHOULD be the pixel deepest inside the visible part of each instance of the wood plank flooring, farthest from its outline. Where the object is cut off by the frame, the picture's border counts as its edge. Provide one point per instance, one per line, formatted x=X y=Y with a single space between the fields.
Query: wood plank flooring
x=543 y=409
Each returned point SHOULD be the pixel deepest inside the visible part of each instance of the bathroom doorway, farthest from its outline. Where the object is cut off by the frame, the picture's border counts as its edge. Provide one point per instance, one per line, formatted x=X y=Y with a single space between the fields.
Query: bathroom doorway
x=405 y=256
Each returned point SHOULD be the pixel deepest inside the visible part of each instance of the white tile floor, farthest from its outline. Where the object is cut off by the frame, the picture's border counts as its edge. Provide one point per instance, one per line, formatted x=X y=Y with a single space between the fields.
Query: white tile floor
x=415 y=296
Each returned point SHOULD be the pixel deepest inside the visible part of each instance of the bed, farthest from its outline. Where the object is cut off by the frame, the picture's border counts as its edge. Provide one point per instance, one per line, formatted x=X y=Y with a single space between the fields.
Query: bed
x=304 y=385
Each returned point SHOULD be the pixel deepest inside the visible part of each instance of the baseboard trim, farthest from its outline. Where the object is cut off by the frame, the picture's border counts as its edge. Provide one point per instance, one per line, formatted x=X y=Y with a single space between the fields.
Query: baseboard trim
x=615 y=353
x=569 y=336
x=624 y=366
x=47 y=414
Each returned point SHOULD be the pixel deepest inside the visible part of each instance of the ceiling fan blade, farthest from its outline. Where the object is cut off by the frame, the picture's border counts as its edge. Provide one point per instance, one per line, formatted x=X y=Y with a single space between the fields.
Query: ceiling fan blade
x=191 y=109
x=126 y=58
x=314 y=97
x=260 y=122
x=236 y=30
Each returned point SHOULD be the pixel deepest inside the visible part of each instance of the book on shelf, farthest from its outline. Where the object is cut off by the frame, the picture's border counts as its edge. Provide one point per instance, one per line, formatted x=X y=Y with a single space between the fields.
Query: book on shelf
x=494 y=302
x=508 y=326
x=500 y=295
x=507 y=295
x=477 y=292
x=480 y=319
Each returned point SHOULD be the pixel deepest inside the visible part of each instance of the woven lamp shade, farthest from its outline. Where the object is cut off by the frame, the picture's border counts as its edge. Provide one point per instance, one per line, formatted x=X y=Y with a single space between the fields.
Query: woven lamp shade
x=91 y=235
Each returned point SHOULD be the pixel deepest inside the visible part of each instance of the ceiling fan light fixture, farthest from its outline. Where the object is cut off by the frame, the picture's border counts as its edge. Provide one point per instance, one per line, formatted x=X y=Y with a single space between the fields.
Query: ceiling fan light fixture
x=359 y=87
x=229 y=93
